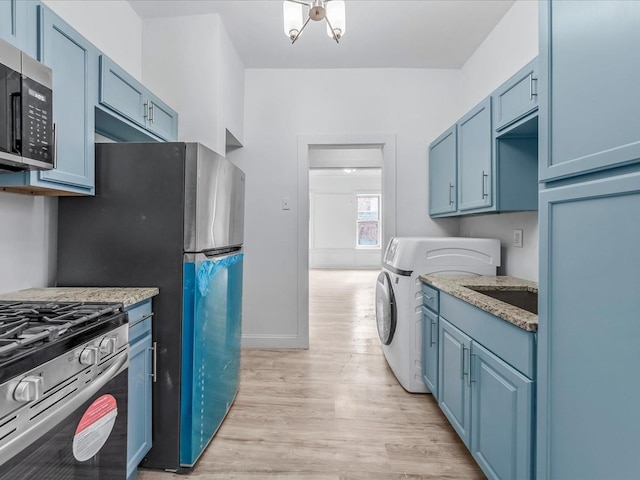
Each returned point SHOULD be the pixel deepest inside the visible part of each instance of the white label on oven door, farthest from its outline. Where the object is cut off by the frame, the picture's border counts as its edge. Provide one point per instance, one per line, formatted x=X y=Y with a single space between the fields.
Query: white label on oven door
x=95 y=427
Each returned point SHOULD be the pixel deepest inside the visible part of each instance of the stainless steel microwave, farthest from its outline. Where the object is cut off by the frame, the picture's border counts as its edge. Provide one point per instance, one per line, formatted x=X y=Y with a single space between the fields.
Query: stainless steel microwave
x=27 y=134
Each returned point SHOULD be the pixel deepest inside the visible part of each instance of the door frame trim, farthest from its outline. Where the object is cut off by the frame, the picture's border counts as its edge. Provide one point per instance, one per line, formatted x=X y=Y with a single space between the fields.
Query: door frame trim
x=387 y=142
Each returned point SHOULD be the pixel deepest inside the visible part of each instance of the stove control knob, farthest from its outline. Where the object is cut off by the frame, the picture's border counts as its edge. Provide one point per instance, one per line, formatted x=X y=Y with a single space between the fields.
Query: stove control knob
x=29 y=389
x=89 y=356
x=108 y=346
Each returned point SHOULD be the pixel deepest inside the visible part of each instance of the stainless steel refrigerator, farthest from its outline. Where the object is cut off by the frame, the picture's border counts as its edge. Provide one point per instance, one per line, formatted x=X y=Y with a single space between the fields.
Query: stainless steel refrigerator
x=169 y=215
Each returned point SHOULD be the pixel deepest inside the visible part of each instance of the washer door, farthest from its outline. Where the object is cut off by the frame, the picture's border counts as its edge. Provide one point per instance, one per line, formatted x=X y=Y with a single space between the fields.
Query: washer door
x=385 y=308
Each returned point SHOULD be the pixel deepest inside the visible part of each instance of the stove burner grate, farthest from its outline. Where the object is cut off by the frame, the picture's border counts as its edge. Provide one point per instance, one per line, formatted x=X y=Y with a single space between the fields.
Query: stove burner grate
x=27 y=324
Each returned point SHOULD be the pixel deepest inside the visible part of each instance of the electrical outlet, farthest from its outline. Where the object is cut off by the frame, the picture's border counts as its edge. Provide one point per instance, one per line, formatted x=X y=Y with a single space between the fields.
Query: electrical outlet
x=285 y=203
x=517 y=238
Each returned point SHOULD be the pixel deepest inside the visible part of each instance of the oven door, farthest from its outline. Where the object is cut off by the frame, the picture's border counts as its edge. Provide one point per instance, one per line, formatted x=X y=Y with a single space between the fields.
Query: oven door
x=89 y=442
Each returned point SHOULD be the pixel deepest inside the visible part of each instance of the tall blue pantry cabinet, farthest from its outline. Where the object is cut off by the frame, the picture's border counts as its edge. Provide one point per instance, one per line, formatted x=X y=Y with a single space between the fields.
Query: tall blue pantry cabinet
x=589 y=313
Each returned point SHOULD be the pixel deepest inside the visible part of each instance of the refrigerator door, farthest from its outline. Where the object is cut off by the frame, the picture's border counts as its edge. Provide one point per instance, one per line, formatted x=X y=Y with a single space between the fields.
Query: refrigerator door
x=212 y=317
x=214 y=201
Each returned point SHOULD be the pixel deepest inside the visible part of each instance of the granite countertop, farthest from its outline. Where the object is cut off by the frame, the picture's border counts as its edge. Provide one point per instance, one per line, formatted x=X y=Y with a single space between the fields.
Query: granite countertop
x=457 y=287
x=126 y=296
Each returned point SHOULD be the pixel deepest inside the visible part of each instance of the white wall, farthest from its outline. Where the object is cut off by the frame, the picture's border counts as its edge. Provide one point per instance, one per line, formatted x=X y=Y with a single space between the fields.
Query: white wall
x=197 y=71
x=333 y=215
x=28 y=236
x=413 y=105
x=511 y=45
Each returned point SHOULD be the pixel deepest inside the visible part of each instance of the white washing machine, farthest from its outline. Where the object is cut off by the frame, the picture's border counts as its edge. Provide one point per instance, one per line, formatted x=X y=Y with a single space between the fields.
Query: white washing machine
x=399 y=293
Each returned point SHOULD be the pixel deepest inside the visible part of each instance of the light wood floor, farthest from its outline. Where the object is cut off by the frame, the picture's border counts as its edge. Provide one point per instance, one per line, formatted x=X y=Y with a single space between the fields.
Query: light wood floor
x=335 y=411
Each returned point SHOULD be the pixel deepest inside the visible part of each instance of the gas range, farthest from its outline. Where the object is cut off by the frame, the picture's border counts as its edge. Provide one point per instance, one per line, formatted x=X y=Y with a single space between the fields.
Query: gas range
x=32 y=333
x=63 y=381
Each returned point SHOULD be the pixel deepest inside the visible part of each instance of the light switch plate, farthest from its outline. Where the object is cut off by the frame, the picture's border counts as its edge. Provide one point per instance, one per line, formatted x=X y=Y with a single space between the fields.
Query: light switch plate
x=517 y=238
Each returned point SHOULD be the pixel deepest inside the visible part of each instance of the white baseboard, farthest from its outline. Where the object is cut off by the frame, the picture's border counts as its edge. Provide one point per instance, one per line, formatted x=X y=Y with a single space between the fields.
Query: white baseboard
x=273 y=341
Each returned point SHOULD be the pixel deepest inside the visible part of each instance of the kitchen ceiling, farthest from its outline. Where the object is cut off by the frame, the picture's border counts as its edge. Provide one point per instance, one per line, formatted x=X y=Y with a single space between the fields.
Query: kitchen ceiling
x=379 y=34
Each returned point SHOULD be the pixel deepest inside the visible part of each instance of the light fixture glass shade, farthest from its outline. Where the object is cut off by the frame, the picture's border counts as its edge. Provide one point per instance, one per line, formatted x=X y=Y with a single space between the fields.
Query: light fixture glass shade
x=293 y=14
x=336 y=15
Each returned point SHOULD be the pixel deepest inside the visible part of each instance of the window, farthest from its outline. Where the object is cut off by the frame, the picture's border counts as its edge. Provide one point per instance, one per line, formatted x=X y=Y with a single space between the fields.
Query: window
x=368 y=221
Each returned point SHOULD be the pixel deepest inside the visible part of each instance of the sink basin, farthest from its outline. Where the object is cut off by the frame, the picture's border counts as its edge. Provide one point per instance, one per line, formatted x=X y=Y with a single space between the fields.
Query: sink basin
x=518 y=298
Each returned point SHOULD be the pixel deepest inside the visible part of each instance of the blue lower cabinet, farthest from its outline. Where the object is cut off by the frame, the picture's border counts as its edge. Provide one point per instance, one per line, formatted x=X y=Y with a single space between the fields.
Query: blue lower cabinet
x=430 y=350
x=139 y=428
x=454 y=383
x=501 y=417
x=487 y=394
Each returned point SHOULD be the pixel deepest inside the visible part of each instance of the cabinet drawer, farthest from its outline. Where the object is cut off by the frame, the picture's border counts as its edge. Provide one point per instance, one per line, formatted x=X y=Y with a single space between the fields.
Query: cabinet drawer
x=430 y=297
x=140 y=316
x=138 y=311
x=512 y=344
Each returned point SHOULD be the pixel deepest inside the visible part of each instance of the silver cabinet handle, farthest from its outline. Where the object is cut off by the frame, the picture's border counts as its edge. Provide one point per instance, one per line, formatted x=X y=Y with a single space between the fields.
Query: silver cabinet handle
x=471 y=355
x=531 y=92
x=450 y=193
x=484 y=187
x=468 y=363
x=151 y=113
x=432 y=342
x=154 y=362
x=146 y=110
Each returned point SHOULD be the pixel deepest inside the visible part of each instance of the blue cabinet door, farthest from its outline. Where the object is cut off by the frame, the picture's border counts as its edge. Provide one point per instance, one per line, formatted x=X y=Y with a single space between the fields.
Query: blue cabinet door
x=161 y=119
x=454 y=383
x=517 y=97
x=430 y=350
x=475 y=158
x=139 y=421
x=73 y=61
x=501 y=417
x=126 y=96
x=443 y=189
x=12 y=29
x=139 y=429
x=588 y=422
x=588 y=86
x=121 y=92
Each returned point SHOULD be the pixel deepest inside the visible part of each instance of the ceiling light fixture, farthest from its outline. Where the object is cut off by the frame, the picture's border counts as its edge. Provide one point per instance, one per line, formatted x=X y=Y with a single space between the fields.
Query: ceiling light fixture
x=330 y=10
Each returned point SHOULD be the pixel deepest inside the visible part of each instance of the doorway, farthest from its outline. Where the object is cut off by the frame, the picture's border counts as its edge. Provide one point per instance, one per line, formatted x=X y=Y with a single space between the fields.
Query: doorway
x=327 y=152
x=345 y=218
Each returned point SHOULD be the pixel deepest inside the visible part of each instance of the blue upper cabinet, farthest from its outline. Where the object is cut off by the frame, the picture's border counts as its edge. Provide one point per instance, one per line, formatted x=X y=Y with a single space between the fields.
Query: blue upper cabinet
x=517 y=98
x=589 y=86
x=161 y=119
x=443 y=163
x=18 y=24
x=73 y=61
x=475 y=158
x=13 y=27
x=124 y=95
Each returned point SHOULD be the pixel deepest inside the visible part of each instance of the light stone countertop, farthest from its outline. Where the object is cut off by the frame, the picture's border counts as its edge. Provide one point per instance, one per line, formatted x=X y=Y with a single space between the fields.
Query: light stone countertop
x=126 y=296
x=457 y=287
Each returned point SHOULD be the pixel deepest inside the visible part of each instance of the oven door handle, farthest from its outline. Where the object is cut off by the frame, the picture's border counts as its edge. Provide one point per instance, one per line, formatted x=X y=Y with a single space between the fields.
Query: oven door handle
x=54 y=416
